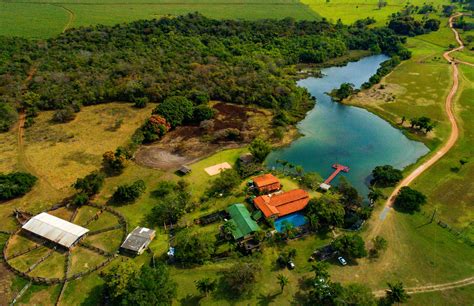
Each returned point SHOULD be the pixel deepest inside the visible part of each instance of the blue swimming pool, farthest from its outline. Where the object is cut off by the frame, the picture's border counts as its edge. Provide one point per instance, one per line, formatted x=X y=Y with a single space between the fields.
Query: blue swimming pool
x=296 y=219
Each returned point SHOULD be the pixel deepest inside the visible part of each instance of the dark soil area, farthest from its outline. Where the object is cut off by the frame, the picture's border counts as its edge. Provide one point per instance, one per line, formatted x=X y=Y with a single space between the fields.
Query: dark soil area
x=233 y=126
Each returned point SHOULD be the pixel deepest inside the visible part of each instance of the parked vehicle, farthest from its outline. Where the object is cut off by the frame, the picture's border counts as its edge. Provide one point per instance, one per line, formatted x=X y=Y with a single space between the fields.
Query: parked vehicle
x=291 y=265
x=342 y=260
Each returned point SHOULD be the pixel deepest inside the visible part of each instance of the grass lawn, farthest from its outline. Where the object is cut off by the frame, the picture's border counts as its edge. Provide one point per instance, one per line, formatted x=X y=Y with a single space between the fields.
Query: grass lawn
x=105 y=220
x=19 y=243
x=418 y=254
x=40 y=295
x=453 y=194
x=109 y=241
x=458 y=296
x=25 y=261
x=53 y=267
x=84 y=214
x=83 y=291
x=83 y=259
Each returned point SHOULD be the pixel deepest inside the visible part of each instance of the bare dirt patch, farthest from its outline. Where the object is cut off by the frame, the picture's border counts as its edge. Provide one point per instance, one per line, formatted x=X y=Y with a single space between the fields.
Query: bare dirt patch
x=190 y=143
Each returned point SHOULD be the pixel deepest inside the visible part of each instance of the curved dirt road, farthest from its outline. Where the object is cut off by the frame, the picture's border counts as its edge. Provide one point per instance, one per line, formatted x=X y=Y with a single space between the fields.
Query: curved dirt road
x=446 y=147
x=430 y=288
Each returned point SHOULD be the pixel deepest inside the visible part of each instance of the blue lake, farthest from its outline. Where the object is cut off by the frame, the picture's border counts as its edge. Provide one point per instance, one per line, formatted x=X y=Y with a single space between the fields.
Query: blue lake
x=352 y=136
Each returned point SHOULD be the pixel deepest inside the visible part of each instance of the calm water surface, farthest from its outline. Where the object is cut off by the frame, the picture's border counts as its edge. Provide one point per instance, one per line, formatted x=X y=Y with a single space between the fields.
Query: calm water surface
x=354 y=137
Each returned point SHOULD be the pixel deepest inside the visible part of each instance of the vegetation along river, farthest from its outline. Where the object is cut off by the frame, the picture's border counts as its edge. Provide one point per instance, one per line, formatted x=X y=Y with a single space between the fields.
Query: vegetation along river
x=351 y=136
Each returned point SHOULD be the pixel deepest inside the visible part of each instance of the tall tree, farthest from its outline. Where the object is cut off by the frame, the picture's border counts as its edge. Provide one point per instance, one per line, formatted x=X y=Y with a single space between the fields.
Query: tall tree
x=396 y=293
x=206 y=285
x=260 y=149
x=282 y=281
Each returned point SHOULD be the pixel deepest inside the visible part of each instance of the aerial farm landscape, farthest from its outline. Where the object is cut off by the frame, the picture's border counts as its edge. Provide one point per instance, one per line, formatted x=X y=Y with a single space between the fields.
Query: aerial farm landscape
x=272 y=152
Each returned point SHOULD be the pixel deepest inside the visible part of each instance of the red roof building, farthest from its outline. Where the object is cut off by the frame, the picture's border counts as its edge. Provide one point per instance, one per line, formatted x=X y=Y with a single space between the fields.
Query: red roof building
x=267 y=183
x=282 y=204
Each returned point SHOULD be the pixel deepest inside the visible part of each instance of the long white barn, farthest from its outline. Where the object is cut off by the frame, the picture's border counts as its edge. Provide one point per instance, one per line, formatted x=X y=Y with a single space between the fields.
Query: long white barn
x=55 y=229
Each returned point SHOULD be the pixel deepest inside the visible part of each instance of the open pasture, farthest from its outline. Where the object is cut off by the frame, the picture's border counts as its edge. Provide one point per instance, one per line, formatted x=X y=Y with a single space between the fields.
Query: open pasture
x=43 y=19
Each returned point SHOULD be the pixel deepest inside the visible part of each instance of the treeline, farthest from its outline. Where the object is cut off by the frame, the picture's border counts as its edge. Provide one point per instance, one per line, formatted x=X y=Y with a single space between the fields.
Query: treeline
x=243 y=62
x=384 y=69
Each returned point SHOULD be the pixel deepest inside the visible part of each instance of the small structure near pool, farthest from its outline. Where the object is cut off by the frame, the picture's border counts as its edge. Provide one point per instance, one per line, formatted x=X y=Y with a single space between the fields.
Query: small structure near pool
x=57 y=230
x=267 y=183
x=138 y=240
x=243 y=224
x=282 y=204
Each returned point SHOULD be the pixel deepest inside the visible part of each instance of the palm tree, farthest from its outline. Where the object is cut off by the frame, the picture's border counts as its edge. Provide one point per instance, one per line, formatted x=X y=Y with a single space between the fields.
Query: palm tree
x=282 y=281
x=396 y=293
x=205 y=286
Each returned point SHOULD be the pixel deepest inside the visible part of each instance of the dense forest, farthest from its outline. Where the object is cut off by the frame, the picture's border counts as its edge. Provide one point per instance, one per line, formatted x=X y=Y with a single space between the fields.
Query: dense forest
x=243 y=62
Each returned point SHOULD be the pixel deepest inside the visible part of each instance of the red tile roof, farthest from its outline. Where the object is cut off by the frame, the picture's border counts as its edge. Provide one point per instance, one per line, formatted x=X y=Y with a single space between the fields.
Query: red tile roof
x=282 y=204
x=267 y=181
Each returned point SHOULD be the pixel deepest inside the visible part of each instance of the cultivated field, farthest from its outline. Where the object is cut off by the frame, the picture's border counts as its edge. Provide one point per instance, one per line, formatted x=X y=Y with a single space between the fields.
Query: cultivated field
x=43 y=19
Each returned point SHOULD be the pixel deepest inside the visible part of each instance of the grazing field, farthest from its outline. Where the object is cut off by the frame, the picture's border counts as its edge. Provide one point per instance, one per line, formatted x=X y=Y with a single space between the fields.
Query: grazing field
x=43 y=19
x=417 y=87
x=351 y=10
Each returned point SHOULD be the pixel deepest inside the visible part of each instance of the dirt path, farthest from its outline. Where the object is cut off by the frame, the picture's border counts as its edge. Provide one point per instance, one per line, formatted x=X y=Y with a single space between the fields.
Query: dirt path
x=444 y=149
x=430 y=288
x=71 y=14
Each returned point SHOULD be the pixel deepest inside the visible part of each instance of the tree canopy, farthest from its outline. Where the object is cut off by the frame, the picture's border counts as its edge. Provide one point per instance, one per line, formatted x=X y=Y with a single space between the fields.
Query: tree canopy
x=385 y=176
x=190 y=56
x=15 y=184
x=127 y=284
x=409 y=200
x=352 y=246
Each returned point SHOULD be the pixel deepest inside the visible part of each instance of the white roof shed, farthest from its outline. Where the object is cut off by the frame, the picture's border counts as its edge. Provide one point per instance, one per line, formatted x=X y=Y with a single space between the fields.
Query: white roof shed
x=55 y=229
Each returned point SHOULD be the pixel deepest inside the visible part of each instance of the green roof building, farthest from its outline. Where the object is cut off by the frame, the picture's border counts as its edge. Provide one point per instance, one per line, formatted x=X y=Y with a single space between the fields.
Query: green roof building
x=242 y=221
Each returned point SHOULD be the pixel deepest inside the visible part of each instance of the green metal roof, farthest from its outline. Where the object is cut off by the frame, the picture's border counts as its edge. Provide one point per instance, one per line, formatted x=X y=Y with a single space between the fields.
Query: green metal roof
x=240 y=217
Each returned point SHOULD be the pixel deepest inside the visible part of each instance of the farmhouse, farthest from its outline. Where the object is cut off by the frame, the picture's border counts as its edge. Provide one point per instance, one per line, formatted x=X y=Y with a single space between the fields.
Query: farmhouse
x=138 y=240
x=244 y=225
x=267 y=183
x=54 y=229
x=282 y=204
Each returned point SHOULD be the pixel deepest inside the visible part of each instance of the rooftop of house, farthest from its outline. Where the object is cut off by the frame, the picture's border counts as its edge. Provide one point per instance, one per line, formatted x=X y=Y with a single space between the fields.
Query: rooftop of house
x=243 y=223
x=139 y=237
x=282 y=204
x=265 y=180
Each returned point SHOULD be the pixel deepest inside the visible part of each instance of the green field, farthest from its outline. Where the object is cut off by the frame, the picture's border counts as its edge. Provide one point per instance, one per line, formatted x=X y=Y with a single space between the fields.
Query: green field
x=43 y=19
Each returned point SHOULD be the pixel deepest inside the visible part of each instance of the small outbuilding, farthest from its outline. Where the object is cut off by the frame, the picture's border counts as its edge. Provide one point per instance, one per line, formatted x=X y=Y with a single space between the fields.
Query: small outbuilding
x=243 y=223
x=184 y=170
x=138 y=240
x=55 y=229
x=325 y=186
x=267 y=183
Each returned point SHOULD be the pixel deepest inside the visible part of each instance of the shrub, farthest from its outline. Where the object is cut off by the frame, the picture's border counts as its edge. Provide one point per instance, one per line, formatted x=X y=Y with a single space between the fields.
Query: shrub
x=129 y=193
x=114 y=163
x=140 y=102
x=154 y=128
x=15 y=184
x=64 y=115
x=8 y=116
x=90 y=184
x=202 y=113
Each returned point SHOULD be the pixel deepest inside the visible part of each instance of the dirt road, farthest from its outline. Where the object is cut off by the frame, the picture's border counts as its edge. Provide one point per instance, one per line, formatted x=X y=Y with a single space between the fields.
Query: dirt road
x=445 y=148
x=430 y=288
